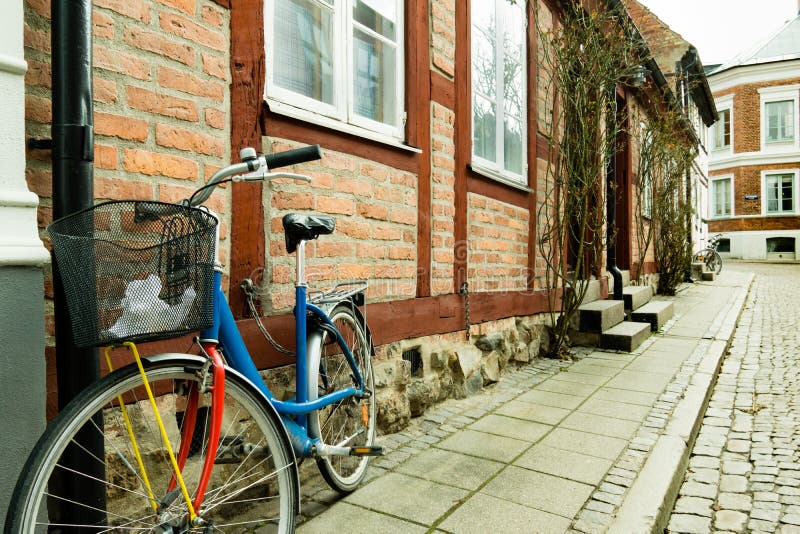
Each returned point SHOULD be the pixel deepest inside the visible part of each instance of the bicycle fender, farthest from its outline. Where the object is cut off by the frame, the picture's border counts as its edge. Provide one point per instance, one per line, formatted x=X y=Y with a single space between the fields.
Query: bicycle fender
x=283 y=433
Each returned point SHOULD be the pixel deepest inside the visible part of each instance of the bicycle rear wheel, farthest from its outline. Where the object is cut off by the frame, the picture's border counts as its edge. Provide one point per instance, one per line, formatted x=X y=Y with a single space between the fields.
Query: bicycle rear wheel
x=253 y=484
x=350 y=422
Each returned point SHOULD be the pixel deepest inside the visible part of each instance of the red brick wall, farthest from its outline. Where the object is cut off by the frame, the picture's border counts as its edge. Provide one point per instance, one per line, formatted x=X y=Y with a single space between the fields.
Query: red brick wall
x=161 y=101
x=498 y=245
x=747 y=113
x=443 y=195
x=747 y=181
x=443 y=36
x=376 y=227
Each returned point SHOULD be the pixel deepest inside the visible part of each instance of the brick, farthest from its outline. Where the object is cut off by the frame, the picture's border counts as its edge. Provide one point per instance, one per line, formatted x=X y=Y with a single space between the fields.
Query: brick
x=104 y=91
x=177 y=193
x=372 y=211
x=403 y=178
x=105 y=157
x=120 y=126
x=402 y=216
x=335 y=161
x=353 y=271
x=216 y=118
x=353 y=186
x=353 y=229
x=187 y=6
x=284 y=200
x=212 y=16
x=336 y=205
x=158 y=44
x=370 y=170
x=38 y=109
x=153 y=163
x=38 y=74
x=39 y=180
x=134 y=9
x=388 y=194
x=37 y=39
x=375 y=252
x=341 y=249
x=102 y=26
x=188 y=83
x=214 y=65
x=387 y=233
x=170 y=106
x=174 y=137
x=121 y=189
x=183 y=27
x=42 y=7
x=402 y=252
x=116 y=61
x=281 y=274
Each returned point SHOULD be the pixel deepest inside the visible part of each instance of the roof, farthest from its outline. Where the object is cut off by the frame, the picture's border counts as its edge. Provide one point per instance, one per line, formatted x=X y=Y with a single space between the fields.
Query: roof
x=782 y=45
x=674 y=56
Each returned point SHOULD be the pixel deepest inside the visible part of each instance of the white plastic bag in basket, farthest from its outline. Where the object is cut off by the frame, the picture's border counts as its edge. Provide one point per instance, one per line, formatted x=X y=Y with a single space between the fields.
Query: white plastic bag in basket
x=143 y=311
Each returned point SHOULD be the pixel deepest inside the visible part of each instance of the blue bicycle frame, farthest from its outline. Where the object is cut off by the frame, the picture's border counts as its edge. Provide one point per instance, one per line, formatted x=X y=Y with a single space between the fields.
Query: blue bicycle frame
x=293 y=412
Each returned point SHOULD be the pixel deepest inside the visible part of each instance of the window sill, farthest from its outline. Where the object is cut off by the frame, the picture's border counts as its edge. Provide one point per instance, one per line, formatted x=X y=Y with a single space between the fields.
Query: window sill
x=281 y=108
x=494 y=175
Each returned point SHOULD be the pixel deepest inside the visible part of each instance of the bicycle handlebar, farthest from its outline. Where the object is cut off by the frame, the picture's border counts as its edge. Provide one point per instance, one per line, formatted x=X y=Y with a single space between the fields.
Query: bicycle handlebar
x=252 y=163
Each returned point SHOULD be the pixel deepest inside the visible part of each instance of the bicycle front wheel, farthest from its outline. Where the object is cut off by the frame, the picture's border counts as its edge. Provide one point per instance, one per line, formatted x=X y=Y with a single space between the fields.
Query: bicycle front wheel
x=253 y=484
x=714 y=261
x=350 y=422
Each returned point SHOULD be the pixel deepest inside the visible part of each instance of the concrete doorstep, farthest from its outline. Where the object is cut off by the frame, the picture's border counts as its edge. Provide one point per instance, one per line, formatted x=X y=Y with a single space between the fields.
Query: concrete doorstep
x=599 y=444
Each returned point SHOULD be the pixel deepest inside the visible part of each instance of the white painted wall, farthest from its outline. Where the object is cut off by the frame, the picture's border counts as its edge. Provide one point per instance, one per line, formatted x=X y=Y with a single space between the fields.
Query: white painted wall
x=19 y=238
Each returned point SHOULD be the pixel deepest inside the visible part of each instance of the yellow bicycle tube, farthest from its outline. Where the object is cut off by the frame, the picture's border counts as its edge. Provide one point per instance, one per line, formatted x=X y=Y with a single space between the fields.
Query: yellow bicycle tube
x=136 y=452
x=164 y=437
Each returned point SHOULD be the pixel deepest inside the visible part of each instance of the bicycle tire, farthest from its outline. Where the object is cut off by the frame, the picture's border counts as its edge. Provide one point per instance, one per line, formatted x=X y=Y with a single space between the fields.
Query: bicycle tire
x=342 y=420
x=701 y=255
x=715 y=263
x=257 y=487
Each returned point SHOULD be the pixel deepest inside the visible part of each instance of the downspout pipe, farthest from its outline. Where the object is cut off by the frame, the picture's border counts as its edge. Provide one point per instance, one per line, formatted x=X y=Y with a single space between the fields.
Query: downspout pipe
x=72 y=159
x=611 y=201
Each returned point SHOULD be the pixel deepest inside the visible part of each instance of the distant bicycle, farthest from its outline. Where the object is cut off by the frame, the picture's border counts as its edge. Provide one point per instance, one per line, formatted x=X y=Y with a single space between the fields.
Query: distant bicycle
x=709 y=255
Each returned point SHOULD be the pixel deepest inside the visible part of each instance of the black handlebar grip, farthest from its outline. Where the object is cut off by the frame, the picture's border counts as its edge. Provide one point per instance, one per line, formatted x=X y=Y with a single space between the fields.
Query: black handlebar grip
x=293 y=157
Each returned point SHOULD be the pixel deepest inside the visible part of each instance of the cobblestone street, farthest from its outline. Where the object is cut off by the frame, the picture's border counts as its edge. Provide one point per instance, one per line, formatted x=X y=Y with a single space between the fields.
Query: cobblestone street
x=744 y=472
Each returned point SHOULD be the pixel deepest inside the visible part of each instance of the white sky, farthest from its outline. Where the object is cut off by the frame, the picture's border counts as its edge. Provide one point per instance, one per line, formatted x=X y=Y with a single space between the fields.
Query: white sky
x=721 y=29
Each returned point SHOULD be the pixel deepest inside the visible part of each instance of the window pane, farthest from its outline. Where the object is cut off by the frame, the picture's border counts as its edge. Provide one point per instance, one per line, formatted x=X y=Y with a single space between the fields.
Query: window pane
x=484 y=121
x=377 y=15
x=787 y=203
x=780 y=120
x=374 y=63
x=512 y=145
x=514 y=62
x=484 y=54
x=303 y=37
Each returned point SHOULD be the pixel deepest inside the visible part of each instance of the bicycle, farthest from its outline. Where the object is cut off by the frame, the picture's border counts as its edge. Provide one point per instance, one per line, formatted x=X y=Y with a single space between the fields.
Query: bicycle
x=709 y=255
x=194 y=443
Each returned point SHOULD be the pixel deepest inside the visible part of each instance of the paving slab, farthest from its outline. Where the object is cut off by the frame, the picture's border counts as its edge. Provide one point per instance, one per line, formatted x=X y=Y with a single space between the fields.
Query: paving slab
x=585 y=443
x=344 y=517
x=539 y=490
x=567 y=387
x=640 y=381
x=451 y=468
x=619 y=410
x=551 y=398
x=484 y=513
x=602 y=425
x=641 y=398
x=510 y=427
x=407 y=497
x=549 y=415
x=489 y=446
x=565 y=464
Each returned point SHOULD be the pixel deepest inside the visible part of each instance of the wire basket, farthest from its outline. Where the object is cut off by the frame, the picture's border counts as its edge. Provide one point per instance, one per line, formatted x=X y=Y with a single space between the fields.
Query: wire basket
x=136 y=271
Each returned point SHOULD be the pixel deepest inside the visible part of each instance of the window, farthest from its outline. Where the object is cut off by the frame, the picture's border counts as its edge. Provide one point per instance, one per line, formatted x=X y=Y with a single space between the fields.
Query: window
x=780 y=121
x=721 y=195
x=337 y=60
x=721 y=136
x=499 y=83
x=779 y=118
x=780 y=195
x=645 y=170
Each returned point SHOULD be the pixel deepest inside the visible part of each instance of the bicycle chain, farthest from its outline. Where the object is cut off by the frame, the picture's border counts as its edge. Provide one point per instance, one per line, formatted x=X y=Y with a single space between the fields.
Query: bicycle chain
x=464 y=290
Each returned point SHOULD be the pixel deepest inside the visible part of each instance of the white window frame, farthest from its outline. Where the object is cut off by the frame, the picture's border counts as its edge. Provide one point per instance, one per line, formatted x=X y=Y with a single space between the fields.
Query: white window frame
x=646 y=209
x=713 y=198
x=779 y=94
x=722 y=104
x=484 y=166
x=795 y=192
x=340 y=115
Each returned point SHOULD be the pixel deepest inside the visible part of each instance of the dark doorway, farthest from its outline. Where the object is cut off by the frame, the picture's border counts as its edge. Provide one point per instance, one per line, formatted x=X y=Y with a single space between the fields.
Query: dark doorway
x=622 y=187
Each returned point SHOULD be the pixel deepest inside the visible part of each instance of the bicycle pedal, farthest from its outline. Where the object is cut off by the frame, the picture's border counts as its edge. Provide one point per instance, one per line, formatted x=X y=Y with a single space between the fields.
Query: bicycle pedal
x=372 y=450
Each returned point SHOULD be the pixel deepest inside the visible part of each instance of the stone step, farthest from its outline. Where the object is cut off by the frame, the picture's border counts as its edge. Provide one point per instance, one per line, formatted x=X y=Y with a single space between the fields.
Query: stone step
x=709 y=276
x=636 y=296
x=697 y=269
x=625 y=336
x=655 y=312
x=600 y=315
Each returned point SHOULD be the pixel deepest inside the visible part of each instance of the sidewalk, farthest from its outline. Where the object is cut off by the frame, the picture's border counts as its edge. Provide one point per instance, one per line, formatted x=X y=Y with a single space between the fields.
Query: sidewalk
x=599 y=444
